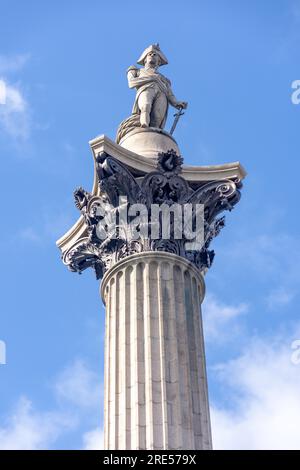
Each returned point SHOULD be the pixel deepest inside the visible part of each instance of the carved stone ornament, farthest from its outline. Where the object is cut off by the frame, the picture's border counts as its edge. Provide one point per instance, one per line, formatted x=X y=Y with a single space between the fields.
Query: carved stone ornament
x=162 y=186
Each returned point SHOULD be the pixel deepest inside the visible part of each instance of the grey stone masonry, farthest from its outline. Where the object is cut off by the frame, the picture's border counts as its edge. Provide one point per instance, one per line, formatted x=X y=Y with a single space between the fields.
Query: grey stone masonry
x=155 y=378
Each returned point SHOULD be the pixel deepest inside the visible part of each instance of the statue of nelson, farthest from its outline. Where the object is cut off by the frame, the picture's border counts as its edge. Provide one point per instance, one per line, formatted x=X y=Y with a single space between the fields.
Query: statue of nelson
x=154 y=93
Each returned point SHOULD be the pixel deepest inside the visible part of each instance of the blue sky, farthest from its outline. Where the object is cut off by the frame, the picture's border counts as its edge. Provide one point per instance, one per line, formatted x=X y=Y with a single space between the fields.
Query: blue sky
x=63 y=65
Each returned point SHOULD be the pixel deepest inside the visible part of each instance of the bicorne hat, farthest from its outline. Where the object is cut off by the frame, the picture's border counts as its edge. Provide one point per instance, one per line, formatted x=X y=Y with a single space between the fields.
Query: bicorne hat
x=153 y=47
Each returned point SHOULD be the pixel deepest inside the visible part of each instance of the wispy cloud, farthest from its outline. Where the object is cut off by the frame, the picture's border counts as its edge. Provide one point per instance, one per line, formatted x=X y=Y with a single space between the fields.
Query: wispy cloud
x=29 y=234
x=93 y=440
x=15 y=119
x=262 y=392
x=13 y=63
x=273 y=259
x=50 y=227
x=280 y=297
x=2 y=92
x=77 y=389
x=27 y=428
x=15 y=115
x=79 y=385
x=221 y=321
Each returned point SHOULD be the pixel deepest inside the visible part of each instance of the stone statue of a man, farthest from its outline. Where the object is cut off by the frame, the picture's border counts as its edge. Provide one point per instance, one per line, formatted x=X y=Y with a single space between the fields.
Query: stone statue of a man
x=154 y=93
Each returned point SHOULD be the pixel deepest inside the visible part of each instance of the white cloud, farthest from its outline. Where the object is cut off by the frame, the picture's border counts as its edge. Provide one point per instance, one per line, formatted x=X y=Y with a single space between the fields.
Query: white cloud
x=28 y=429
x=279 y=297
x=79 y=385
x=77 y=390
x=2 y=92
x=221 y=320
x=13 y=63
x=93 y=440
x=14 y=113
x=49 y=227
x=266 y=257
x=263 y=394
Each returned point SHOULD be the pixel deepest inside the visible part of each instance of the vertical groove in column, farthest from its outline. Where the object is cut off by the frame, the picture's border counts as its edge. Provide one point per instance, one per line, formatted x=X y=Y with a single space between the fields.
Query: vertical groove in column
x=134 y=360
x=191 y=348
x=181 y=365
x=156 y=370
x=160 y=411
x=174 y=405
x=171 y=379
x=118 y=311
x=195 y=358
x=183 y=359
x=127 y=358
x=139 y=341
x=205 y=431
x=112 y=371
x=149 y=282
x=107 y=363
x=121 y=364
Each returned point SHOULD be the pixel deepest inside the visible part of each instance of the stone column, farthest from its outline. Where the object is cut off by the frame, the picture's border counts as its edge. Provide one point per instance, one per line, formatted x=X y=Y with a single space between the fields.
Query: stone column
x=155 y=378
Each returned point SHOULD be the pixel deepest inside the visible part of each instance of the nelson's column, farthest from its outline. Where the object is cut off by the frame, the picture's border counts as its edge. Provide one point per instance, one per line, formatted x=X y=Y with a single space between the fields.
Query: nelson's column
x=152 y=279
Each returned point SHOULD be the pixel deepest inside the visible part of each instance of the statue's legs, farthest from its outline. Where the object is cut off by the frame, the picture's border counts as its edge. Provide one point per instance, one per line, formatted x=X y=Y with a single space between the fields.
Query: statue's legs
x=153 y=106
x=145 y=104
x=159 y=110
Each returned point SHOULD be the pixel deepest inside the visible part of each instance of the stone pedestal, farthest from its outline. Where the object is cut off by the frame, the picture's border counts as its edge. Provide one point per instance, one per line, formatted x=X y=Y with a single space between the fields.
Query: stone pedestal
x=149 y=142
x=155 y=379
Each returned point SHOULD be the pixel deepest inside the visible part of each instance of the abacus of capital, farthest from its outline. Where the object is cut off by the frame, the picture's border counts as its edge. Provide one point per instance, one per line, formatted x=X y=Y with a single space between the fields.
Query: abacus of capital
x=155 y=374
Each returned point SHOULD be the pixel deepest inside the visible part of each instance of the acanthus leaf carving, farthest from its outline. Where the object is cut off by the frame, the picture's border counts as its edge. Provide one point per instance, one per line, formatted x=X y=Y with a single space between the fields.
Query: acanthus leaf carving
x=162 y=186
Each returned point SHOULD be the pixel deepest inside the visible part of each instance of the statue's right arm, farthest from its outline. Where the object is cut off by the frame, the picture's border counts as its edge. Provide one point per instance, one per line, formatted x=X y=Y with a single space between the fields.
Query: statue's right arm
x=132 y=73
x=134 y=80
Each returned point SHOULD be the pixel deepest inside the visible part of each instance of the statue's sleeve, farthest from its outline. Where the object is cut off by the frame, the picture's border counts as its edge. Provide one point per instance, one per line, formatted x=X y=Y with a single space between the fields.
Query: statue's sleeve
x=134 y=79
x=132 y=73
x=171 y=97
x=169 y=93
x=132 y=68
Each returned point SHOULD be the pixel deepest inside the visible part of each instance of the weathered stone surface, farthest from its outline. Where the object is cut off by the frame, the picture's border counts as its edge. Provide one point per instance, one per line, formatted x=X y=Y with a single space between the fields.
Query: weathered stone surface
x=149 y=142
x=155 y=378
x=141 y=166
x=152 y=285
x=155 y=386
x=164 y=186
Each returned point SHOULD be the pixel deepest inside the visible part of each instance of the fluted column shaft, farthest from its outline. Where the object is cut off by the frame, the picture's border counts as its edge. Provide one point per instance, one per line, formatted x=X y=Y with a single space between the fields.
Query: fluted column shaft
x=155 y=375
